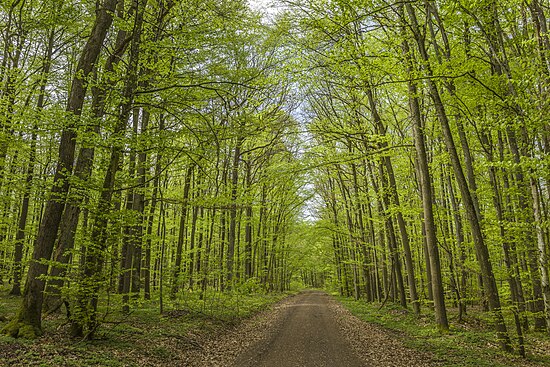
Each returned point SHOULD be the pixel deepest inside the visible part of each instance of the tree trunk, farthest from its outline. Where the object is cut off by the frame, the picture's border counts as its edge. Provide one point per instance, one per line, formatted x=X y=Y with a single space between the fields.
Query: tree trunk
x=182 y=232
x=150 y=220
x=394 y=196
x=542 y=248
x=427 y=199
x=482 y=251
x=231 y=239
x=28 y=322
x=95 y=252
x=20 y=235
x=82 y=171
x=248 y=269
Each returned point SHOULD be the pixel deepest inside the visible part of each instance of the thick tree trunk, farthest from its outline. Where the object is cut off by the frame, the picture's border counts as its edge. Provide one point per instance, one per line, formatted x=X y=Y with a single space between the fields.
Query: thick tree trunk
x=28 y=322
x=135 y=204
x=82 y=171
x=95 y=252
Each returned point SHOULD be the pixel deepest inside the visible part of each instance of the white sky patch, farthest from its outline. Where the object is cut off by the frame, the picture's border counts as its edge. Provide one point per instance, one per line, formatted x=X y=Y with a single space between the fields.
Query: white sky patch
x=267 y=7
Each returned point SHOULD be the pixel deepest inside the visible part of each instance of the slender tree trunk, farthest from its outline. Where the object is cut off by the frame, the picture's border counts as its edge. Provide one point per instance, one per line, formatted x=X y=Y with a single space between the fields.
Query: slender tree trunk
x=363 y=237
x=482 y=251
x=392 y=240
x=231 y=239
x=192 y=248
x=427 y=199
x=459 y=232
x=150 y=220
x=22 y=224
x=248 y=269
x=182 y=232
x=162 y=255
x=542 y=247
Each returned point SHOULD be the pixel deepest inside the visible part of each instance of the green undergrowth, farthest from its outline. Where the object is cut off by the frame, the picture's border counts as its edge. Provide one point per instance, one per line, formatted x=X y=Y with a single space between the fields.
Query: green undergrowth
x=469 y=343
x=142 y=338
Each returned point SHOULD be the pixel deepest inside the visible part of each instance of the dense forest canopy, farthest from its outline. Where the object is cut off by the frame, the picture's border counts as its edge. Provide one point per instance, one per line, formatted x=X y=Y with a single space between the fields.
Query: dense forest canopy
x=392 y=151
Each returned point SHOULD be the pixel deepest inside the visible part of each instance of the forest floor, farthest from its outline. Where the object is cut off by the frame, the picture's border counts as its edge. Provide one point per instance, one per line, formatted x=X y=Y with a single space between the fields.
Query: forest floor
x=311 y=328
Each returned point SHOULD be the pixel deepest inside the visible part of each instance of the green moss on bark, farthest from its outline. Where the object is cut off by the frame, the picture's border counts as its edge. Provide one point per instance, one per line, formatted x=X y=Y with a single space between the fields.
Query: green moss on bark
x=20 y=329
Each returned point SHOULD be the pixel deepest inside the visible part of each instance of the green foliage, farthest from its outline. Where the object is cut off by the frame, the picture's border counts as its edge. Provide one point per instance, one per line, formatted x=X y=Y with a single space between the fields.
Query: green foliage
x=232 y=155
x=144 y=336
x=468 y=343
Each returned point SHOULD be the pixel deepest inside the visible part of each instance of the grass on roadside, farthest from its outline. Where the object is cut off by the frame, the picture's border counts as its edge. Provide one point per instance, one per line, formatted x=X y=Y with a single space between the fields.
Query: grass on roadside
x=144 y=337
x=470 y=343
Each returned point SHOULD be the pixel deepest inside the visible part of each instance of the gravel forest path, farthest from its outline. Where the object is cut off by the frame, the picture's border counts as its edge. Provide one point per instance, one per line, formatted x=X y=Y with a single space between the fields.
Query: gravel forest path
x=310 y=329
x=308 y=336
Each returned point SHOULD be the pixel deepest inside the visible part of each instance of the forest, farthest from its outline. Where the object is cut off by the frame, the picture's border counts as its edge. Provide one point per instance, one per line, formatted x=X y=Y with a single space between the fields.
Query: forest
x=203 y=160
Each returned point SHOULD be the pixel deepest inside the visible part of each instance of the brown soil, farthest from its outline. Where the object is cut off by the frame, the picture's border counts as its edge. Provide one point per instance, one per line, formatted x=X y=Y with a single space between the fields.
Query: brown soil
x=307 y=330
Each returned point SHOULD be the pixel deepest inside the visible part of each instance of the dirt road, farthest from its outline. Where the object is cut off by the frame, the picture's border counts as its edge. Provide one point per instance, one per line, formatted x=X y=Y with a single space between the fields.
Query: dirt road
x=308 y=336
x=310 y=329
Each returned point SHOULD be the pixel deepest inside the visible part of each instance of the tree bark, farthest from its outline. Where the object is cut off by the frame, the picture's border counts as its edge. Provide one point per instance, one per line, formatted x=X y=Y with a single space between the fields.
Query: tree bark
x=427 y=198
x=482 y=251
x=28 y=322
x=82 y=171
x=20 y=235
x=231 y=238
x=182 y=232
x=95 y=252
x=542 y=249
